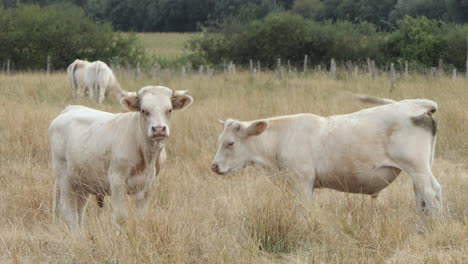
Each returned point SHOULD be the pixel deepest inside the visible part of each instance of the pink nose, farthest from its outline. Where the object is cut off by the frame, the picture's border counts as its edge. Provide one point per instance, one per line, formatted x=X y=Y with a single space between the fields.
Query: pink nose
x=215 y=168
x=159 y=131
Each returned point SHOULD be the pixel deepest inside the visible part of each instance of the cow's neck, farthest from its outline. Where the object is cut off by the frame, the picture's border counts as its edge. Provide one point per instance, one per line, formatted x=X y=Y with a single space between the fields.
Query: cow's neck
x=150 y=148
x=266 y=149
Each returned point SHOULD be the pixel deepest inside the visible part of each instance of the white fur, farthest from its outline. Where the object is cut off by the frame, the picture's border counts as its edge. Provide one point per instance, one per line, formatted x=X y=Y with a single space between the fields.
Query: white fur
x=101 y=80
x=76 y=73
x=361 y=152
x=101 y=153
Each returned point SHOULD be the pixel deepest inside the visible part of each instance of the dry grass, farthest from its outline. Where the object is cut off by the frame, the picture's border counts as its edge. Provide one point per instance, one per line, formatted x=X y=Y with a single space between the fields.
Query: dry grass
x=250 y=217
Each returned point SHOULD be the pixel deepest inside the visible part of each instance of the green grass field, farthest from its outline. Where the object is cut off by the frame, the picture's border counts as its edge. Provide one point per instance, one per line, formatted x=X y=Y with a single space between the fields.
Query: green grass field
x=164 y=44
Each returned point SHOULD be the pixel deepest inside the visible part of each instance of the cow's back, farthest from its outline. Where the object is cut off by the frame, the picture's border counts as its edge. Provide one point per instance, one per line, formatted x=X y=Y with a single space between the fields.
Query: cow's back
x=73 y=119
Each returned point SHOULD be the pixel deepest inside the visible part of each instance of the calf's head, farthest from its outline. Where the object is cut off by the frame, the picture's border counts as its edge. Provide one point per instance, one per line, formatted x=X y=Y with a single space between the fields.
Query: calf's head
x=155 y=105
x=236 y=148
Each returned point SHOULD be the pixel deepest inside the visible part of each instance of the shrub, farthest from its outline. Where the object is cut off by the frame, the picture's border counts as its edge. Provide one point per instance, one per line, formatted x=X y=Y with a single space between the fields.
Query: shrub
x=284 y=35
x=30 y=33
x=289 y=37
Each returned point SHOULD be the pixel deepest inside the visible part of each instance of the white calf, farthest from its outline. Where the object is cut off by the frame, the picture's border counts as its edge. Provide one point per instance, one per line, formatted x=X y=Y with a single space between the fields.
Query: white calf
x=101 y=153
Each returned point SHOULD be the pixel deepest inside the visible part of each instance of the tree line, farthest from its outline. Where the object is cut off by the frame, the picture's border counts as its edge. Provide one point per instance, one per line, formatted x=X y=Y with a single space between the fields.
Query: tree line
x=32 y=36
x=288 y=36
x=188 y=15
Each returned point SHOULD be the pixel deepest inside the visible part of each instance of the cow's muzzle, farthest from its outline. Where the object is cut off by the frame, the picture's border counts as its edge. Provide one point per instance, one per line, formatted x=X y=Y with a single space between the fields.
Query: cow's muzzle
x=159 y=131
x=215 y=168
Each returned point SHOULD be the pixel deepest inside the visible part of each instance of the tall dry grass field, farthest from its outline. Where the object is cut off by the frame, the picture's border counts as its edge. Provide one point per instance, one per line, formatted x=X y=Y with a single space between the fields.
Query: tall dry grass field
x=249 y=217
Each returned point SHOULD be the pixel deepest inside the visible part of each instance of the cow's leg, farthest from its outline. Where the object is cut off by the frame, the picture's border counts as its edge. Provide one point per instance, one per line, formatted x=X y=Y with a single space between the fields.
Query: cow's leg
x=412 y=151
x=90 y=93
x=102 y=93
x=143 y=197
x=60 y=170
x=428 y=192
x=81 y=203
x=142 y=200
x=118 y=197
x=308 y=189
x=69 y=204
x=305 y=183
x=80 y=90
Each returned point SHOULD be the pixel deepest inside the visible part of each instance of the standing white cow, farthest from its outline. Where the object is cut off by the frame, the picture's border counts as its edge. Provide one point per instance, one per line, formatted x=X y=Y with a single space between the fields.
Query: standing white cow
x=101 y=81
x=361 y=152
x=101 y=153
x=76 y=73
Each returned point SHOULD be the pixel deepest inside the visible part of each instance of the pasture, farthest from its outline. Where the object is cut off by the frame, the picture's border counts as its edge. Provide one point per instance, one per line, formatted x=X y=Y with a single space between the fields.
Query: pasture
x=164 y=44
x=253 y=216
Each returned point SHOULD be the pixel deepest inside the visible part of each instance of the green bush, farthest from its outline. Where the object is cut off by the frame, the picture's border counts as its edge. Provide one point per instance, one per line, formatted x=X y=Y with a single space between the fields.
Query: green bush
x=284 y=35
x=30 y=33
x=289 y=37
x=423 y=42
x=416 y=40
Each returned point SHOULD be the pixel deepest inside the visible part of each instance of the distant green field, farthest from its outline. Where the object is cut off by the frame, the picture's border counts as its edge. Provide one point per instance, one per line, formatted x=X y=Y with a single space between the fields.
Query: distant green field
x=164 y=44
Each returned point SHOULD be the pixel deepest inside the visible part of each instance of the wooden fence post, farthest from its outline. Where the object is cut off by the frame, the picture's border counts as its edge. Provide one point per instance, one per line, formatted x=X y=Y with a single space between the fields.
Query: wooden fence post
x=369 y=67
x=454 y=73
x=251 y=68
x=440 y=70
x=392 y=72
x=155 y=70
x=138 y=71
x=305 y=63
x=373 y=68
x=466 y=56
x=280 y=70
x=200 y=70
x=184 y=71
x=289 y=66
x=258 y=67
x=332 y=68
x=406 y=68
x=210 y=73
x=48 y=64
x=8 y=66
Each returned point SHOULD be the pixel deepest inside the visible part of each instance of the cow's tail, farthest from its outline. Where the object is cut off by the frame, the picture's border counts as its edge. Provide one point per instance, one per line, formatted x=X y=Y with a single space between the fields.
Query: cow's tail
x=74 y=84
x=96 y=85
x=373 y=100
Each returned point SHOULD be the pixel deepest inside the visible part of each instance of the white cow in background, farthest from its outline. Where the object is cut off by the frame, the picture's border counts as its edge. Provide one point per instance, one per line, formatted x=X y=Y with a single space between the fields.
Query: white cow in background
x=76 y=74
x=101 y=153
x=101 y=81
x=94 y=79
x=361 y=152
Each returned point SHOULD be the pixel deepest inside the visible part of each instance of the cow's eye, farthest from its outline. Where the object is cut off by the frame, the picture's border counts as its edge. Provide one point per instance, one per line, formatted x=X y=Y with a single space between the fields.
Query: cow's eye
x=169 y=111
x=143 y=111
x=230 y=144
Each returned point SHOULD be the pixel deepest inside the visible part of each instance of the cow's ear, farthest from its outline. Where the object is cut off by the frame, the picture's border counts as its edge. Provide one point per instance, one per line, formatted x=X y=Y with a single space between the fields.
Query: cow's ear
x=131 y=102
x=180 y=100
x=221 y=122
x=257 y=128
